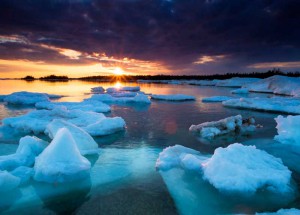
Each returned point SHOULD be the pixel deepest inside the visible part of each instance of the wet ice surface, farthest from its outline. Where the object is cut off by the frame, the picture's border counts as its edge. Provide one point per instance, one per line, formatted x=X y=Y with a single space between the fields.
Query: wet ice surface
x=123 y=178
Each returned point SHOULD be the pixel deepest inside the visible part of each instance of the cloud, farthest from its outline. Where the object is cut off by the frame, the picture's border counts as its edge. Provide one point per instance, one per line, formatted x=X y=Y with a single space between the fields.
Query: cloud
x=179 y=36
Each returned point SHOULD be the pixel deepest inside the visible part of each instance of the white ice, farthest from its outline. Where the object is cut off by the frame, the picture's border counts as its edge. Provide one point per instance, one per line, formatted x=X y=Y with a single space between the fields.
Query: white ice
x=276 y=84
x=292 y=211
x=61 y=161
x=216 y=99
x=95 y=106
x=209 y=130
x=236 y=82
x=85 y=143
x=37 y=121
x=288 y=130
x=28 y=148
x=125 y=88
x=276 y=104
x=240 y=91
x=235 y=169
x=28 y=98
x=106 y=98
x=8 y=182
x=97 y=90
x=245 y=169
x=173 y=97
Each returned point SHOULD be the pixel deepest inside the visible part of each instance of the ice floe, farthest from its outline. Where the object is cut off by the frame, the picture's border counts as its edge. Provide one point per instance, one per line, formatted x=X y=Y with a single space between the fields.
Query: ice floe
x=37 y=121
x=216 y=99
x=236 y=169
x=8 y=181
x=97 y=90
x=29 y=148
x=95 y=106
x=236 y=82
x=245 y=169
x=288 y=130
x=276 y=104
x=106 y=98
x=240 y=91
x=28 y=98
x=276 y=84
x=24 y=173
x=173 y=97
x=61 y=161
x=209 y=130
x=85 y=143
x=292 y=211
x=125 y=88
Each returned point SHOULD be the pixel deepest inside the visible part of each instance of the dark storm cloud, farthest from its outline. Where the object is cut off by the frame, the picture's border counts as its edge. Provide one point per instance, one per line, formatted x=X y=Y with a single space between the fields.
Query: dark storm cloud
x=175 y=33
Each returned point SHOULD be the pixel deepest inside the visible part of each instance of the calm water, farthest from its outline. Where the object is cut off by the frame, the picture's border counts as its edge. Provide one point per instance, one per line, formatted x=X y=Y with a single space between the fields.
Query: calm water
x=123 y=178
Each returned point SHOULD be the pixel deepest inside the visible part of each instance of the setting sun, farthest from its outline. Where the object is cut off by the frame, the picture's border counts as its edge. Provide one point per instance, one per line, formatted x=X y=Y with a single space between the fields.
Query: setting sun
x=118 y=71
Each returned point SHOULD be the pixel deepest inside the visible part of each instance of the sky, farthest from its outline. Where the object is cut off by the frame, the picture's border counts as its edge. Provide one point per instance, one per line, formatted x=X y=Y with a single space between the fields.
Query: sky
x=177 y=37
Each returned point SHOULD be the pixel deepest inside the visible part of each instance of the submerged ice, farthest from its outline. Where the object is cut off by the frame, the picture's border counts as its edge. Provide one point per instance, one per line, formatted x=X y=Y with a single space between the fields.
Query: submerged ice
x=235 y=169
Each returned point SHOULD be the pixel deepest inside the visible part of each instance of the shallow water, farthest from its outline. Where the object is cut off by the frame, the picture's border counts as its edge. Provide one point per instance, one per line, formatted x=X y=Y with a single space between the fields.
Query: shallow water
x=123 y=179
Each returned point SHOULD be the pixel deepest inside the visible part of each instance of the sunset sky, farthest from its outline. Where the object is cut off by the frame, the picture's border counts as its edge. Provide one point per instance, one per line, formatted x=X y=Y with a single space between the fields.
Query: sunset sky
x=93 y=37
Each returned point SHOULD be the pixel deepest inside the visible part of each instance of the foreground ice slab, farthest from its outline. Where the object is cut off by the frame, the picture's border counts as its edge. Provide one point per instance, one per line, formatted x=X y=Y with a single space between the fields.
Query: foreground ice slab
x=236 y=169
x=278 y=104
x=8 y=181
x=85 y=143
x=216 y=99
x=29 y=147
x=276 y=84
x=28 y=98
x=106 y=98
x=61 y=161
x=37 y=121
x=236 y=82
x=288 y=130
x=209 y=130
x=245 y=169
x=173 y=97
x=95 y=106
x=292 y=211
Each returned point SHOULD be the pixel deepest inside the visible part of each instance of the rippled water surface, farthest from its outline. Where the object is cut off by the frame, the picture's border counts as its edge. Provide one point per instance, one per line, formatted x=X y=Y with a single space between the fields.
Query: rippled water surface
x=123 y=178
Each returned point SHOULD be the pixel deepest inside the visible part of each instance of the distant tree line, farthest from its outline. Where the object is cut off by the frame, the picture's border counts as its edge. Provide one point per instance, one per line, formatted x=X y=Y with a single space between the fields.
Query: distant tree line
x=169 y=77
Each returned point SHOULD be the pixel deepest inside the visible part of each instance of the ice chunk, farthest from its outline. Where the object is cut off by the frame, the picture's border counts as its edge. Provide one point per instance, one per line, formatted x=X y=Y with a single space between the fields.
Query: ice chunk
x=97 y=90
x=106 y=98
x=173 y=97
x=8 y=181
x=245 y=169
x=292 y=211
x=23 y=173
x=124 y=94
x=236 y=82
x=216 y=99
x=209 y=130
x=276 y=84
x=28 y=98
x=179 y=156
x=288 y=130
x=37 y=121
x=278 y=104
x=29 y=147
x=235 y=169
x=106 y=126
x=115 y=89
x=85 y=143
x=61 y=161
x=95 y=106
x=240 y=91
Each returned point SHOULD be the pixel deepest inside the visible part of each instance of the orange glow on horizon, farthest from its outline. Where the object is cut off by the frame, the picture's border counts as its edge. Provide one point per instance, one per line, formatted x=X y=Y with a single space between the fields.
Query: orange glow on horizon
x=118 y=71
x=118 y=85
